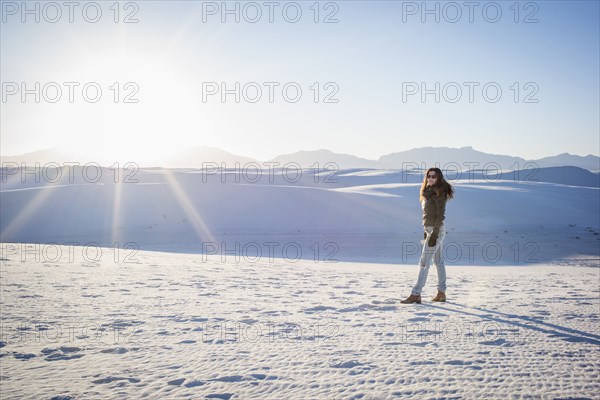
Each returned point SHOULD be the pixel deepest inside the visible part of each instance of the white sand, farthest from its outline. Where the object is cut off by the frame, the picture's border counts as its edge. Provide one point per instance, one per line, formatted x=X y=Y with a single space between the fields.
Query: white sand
x=207 y=329
x=371 y=216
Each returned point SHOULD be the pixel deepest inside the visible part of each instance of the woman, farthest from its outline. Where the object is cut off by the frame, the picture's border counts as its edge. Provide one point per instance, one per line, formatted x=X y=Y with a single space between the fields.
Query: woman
x=435 y=191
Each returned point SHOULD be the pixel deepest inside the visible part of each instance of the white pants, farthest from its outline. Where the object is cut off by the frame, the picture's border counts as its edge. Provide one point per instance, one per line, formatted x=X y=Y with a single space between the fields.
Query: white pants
x=428 y=255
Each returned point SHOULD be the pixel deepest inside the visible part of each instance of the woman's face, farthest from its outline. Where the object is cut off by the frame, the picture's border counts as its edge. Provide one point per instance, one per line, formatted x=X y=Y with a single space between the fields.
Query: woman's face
x=431 y=178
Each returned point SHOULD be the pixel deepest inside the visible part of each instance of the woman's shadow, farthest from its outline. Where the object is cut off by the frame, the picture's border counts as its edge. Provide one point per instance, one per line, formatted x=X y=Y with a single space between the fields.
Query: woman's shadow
x=527 y=323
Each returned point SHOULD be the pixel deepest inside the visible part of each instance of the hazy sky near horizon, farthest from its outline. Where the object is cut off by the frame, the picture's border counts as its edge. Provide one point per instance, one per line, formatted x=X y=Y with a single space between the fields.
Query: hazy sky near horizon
x=375 y=61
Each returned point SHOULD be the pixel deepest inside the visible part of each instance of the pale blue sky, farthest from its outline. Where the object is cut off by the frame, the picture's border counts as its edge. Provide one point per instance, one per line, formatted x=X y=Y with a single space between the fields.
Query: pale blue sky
x=369 y=53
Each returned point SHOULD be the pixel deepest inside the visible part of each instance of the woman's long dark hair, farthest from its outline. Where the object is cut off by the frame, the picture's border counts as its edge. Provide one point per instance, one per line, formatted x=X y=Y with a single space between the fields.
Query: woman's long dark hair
x=441 y=187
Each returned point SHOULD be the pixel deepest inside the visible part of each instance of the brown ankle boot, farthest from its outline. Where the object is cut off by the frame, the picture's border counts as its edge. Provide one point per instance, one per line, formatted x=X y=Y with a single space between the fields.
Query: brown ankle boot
x=413 y=298
x=441 y=296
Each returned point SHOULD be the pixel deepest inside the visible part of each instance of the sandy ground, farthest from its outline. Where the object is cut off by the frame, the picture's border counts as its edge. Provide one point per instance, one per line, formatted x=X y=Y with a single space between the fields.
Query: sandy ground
x=190 y=326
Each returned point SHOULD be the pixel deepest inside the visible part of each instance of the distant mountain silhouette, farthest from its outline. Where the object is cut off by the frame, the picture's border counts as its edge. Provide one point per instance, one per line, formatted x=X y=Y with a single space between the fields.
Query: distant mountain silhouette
x=464 y=158
x=318 y=158
x=50 y=155
x=195 y=157
x=589 y=162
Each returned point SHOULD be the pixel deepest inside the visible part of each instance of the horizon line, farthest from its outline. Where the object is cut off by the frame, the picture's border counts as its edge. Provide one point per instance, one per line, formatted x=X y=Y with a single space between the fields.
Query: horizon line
x=65 y=148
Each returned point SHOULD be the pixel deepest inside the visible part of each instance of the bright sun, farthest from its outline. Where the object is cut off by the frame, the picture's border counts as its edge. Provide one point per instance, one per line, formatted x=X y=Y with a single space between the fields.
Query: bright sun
x=142 y=116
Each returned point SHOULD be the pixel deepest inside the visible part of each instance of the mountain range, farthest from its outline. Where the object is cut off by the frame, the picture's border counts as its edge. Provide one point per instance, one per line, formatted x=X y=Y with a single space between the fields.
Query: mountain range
x=463 y=158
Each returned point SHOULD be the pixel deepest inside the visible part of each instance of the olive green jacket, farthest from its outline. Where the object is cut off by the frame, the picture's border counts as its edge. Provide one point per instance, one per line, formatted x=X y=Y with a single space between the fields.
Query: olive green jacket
x=434 y=210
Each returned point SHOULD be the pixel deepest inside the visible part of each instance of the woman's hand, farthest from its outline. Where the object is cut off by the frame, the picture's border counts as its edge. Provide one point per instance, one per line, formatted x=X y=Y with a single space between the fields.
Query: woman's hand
x=432 y=240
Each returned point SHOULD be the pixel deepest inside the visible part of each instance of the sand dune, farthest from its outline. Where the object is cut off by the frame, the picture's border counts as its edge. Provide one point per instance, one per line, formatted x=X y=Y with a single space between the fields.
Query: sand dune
x=354 y=215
